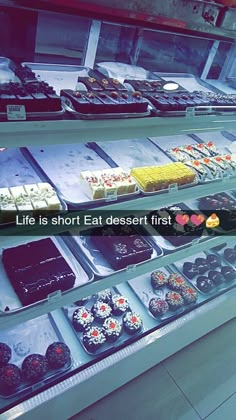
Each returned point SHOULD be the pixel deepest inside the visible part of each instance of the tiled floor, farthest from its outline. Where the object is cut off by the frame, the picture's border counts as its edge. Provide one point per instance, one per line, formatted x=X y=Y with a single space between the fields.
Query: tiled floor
x=199 y=382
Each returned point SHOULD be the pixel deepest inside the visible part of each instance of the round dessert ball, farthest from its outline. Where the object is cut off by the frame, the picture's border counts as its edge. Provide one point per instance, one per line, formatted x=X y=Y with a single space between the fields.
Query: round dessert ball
x=5 y=354
x=230 y=255
x=174 y=300
x=201 y=265
x=190 y=270
x=105 y=295
x=101 y=311
x=93 y=339
x=120 y=304
x=10 y=376
x=112 y=329
x=213 y=261
x=216 y=277
x=229 y=273
x=176 y=282
x=205 y=284
x=34 y=367
x=58 y=355
x=158 y=279
x=82 y=318
x=132 y=322
x=158 y=307
x=190 y=295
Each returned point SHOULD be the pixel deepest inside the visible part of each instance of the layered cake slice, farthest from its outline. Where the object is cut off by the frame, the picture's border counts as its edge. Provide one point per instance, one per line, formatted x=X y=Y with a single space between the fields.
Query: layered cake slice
x=37 y=269
x=107 y=182
x=105 y=102
x=48 y=194
x=21 y=198
x=156 y=178
x=199 y=168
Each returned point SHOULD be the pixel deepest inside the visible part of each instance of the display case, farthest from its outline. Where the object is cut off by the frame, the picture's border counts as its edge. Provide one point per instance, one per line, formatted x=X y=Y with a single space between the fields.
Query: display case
x=169 y=291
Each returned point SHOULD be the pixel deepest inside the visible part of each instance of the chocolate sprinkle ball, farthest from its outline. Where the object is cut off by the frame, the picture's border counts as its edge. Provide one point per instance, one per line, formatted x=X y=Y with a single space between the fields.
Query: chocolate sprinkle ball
x=5 y=354
x=34 y=367
x=58 y=355
x=10 y=377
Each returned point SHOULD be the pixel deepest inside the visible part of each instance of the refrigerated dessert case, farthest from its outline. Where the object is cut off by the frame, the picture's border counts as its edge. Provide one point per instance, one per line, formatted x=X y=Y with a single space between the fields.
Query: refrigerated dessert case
x=80 y=316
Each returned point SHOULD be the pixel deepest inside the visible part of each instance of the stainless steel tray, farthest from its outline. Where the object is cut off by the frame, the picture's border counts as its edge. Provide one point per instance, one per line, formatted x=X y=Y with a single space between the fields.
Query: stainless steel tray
x=64 y=172
x=189 y=81
x=194 y=205
x=15 y=170
x=138 y=153
x=219 y=139
x=107 y=347
x=167 y=246
x=68 y=106
x=229 y=243
x=82 y=244
x=133 y=153
x=224 y=286
x=32 y=337
x=172 y=187
x=53 y=115
x=9 y=301
x=60 y=76
x=143 y=289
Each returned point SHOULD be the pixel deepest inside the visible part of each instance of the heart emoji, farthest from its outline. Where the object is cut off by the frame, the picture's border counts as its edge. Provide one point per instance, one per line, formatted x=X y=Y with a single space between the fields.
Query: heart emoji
x=197 y=219
x=182 y=219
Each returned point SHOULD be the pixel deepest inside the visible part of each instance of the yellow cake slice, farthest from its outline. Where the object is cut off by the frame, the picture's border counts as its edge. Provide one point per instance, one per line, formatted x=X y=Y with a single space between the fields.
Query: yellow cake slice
x=156 y=178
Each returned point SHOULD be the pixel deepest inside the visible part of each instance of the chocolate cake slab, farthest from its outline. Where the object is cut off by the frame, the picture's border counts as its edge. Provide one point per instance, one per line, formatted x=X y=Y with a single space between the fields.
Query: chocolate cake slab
x=37 y=269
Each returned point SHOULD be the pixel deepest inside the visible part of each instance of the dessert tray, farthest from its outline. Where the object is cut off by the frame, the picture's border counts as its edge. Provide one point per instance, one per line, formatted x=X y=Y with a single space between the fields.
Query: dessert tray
x=14 y=300
x=227 y=252
x=139 y=153
x=146 y=290
x=83 y=243
x=24 y=97
x=64 y=172
x=67 y=79
x=20 y=174
x=107 y=344
x=31 y=337
x=176 y=236
x=211 y=160
x=222 y=204
x=208 y=279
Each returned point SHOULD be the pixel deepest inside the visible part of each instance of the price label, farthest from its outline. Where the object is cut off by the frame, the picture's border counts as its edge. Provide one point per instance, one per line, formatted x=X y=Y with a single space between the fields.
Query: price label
x=131 y=268
x=111 y=195
x=16 y=113
x=190 y=111
x=54 y=296
x=173 y=187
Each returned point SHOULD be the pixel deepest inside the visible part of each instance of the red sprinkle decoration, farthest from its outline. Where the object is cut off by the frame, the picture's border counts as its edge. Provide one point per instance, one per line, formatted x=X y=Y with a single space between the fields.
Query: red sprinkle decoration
x=134 y=319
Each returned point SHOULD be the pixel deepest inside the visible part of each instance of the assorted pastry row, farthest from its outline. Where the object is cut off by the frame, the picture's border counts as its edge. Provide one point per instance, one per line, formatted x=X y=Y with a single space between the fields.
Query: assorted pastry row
x=29 y=198
x=34 y=367
x=206 y=273
x=222 y=204
x=103 y=319
x=205 y=159
x=181 y=228
x=177 y=293
x=36 y=97
x=102 y=184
